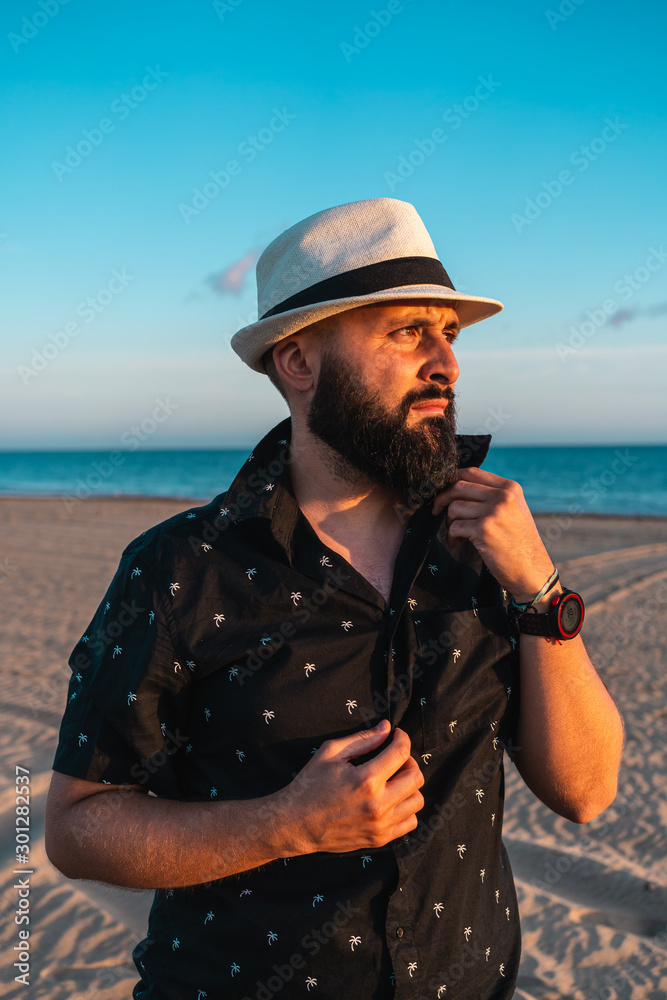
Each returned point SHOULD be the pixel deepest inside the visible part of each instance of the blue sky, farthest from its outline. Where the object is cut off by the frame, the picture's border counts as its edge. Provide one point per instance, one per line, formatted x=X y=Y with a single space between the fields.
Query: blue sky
x=156 y=96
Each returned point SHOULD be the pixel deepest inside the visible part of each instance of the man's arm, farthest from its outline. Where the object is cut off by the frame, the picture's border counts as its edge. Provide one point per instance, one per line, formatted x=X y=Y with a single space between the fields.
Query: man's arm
x=121 y=835
x=570 y=732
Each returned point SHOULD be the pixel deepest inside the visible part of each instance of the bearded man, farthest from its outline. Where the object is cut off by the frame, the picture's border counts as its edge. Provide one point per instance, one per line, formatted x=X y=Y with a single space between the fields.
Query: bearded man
x=289 y=713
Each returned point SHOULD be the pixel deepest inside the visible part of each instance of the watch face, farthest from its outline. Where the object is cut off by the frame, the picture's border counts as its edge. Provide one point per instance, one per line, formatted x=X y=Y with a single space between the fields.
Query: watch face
x=571 y=614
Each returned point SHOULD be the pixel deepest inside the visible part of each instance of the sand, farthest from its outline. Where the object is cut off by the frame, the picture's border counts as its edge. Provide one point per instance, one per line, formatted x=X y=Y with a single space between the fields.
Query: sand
x=593 y=897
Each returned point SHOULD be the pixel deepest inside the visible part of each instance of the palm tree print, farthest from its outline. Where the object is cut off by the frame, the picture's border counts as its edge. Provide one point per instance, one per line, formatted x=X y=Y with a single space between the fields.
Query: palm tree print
x=233 y=671
x=461 y=849
x=131 y=696
x=493 y=818
x=433 y=568
x=346 y=625
x=317 y=898
x=251 y=572
x=217 y=619
x=224 y=511
x=207 y=714
x=107 y=607
x=479 y=794
x=426 y=757
x=201 y=993
x=214 y=793
x=82 y=739
x=493 y=726
x=267 y=638
x=494 y=742
x=190 y=664
x=163 y=727
x=467 y=932
x=309 y=667
x=365 y=858
x=175 y=944
x=501 y=969
x=205 y=547
x=422 y=701
x=135 y=572
x=412 y=603
x=487 y=953
x=240 y=754
x=188 y=517
x=151 y=617
x=268 y=715
x=325 y=561
x=456 y=654
x=173 y=587
x=350 y=705
x=271 y=937
x=245 y=892
x=507 y=912
x=438 y=908
x=295 y=596
x=354 y=941
x=310 y=982
x=84 y=638
x=482 y=873
x=209 y=916
x=497 y=895
x=177 y=666
x=412 y=967
x=513 y=642
x=509 y=691
x=116 y=652
x=269 y=487
x=442 y=990
x=453 y=723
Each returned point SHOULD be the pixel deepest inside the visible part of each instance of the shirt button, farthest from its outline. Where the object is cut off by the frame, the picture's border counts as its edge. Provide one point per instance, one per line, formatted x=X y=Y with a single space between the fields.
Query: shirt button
x=399 y=932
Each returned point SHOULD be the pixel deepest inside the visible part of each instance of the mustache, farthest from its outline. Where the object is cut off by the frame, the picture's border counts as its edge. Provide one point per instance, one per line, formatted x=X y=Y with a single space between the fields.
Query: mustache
x=431 y=392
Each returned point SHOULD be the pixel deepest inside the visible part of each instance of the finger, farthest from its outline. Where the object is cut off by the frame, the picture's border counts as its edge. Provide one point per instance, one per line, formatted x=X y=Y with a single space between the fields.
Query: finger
x=356 y=744
x=408 y=807
x=389 y=760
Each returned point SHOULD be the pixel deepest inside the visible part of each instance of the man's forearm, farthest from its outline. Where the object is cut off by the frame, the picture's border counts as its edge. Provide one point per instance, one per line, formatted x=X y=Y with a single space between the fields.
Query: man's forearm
x=570 y=732
x=128 y=838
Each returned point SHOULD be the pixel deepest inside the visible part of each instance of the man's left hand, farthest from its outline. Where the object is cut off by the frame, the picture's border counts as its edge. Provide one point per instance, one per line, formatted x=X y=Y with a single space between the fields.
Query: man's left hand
x=492 y=513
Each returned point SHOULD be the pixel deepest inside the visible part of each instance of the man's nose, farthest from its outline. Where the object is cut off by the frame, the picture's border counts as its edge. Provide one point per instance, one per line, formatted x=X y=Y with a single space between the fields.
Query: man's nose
x=441 y=364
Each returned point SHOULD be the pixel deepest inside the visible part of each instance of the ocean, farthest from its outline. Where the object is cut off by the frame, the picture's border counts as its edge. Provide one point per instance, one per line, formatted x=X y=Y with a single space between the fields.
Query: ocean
x=627 y=479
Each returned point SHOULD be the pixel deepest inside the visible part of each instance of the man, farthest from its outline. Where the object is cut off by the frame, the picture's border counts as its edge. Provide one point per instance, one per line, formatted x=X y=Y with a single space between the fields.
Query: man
x=317 y=674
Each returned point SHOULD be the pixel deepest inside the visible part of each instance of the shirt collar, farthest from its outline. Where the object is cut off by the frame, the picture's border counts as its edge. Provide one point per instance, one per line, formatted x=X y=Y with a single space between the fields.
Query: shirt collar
x=263 y=486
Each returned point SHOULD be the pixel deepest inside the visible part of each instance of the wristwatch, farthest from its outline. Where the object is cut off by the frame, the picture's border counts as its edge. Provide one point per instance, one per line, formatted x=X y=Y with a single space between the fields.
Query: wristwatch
x=562 y=620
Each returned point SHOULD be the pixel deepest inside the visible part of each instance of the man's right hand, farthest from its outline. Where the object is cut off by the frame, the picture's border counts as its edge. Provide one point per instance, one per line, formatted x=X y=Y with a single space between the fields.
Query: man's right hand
x=333 y=805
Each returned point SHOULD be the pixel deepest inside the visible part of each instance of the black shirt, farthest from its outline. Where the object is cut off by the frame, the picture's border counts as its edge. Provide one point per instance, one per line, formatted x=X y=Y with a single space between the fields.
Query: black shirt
x=231 y=644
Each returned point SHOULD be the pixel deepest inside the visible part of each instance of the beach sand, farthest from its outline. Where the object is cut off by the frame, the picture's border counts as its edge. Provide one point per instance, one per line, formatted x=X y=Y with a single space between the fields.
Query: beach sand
x=593 y=897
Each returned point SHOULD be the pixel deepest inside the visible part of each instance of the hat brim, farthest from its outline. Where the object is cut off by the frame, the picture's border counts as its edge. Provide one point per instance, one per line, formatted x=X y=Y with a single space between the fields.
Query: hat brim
x=252 y=341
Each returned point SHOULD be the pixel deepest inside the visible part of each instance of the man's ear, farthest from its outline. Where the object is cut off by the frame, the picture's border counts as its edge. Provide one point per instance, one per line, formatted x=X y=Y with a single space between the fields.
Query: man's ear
x=297 y=360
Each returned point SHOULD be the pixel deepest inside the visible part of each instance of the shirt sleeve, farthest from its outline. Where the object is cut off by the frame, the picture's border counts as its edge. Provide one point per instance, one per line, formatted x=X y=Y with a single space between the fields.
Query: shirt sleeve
x=120 y=723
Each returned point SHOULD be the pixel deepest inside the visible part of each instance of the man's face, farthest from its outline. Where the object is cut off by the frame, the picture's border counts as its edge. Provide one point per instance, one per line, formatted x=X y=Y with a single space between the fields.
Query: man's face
x=384 y=398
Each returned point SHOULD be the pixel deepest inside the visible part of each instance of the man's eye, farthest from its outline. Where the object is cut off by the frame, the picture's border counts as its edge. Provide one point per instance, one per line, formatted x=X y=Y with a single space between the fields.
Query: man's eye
x=408 y=329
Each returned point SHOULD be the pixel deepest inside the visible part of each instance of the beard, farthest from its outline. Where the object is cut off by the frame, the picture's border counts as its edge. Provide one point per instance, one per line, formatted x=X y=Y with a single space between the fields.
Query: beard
x=373 y=444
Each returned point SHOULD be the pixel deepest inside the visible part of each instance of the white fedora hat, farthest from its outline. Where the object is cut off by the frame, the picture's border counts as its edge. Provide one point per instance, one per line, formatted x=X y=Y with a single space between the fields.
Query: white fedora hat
x=353 y=255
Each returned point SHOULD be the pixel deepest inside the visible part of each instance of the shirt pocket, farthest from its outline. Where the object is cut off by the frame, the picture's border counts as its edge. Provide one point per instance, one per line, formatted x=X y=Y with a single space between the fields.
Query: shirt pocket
x=468 y=674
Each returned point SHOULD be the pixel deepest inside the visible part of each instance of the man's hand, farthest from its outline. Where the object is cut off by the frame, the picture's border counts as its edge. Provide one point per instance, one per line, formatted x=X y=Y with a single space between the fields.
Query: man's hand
x=337 y=806
x=492 y=513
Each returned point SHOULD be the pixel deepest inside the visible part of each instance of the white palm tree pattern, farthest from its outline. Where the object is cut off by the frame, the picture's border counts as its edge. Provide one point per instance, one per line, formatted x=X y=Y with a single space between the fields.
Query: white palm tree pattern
x=175 y=944
x=441 y=991
x=190 y=664
x=497 y=895
x=461 y=849
x=493 y=725
x=251 y=572
x=412 y=603
x=131 y=696
x=209 y=917
x=233 y=672
x=151 y=617
x=453 y=723
x=107 y=607
x=309 y=667
x=346 y=626
x=234 y=968
x=82 y=739
x=214 y=793
x=271 y=937
x=267 y=638
x=479 y=794
x=482 y=873
x=412 y=967
x=365 y=858
x=509 y=690
x=269 y=487
x=317 y=898
x=190 y=516
x=493 y=818
x=494 y=742
x=205 y=547
x=224 y=511
x=354 y=941
x=456 y=654
x=349 y=704
x=310 y=982
x=507 y=912
x=501 y=969
x=426 y=757
x=438 y=908
x=240 y=754
x=173 y=587
x=433 y=568
x=135 y=572
x=325 y=561
x=245 y=892
x=295 y=596
x=487 y=953
x=177 y=666
x=513 y=642
x=467 y=932
x=217 y=619
x=473 y=601
x=268 y=715
x=116 y=652
x=201 y=993
x=207 y=714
